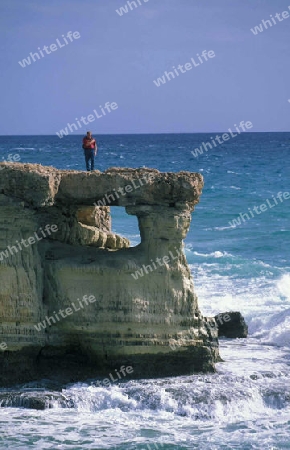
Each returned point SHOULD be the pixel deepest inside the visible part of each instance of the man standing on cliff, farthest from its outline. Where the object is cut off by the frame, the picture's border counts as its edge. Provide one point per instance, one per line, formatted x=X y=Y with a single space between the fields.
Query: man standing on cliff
x=90 y=150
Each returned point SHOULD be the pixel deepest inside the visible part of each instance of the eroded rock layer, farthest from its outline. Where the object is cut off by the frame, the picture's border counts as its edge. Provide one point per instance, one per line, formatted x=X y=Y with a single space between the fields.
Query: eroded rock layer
x=75 y=299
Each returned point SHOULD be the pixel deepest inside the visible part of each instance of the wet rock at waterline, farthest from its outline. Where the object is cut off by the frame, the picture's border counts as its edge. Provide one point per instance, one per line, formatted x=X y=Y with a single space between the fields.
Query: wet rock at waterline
x=231 y=325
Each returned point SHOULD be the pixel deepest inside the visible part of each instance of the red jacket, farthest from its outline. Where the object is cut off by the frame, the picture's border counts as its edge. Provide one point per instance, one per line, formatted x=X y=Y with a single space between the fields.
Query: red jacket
x=89 y=143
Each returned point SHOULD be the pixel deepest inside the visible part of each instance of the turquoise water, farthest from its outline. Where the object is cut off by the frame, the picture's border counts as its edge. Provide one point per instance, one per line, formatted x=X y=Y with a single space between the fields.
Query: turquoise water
x=246 y=404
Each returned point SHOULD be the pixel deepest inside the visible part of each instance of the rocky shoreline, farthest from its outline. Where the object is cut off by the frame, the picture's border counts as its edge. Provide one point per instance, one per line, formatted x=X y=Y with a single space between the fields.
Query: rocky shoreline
x=69 y=305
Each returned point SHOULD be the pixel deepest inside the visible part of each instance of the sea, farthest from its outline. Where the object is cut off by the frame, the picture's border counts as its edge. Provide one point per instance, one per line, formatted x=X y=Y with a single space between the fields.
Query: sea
x=235 y=267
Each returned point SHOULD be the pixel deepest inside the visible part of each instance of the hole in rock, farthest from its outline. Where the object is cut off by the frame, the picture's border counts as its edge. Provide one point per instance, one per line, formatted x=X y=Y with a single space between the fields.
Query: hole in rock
x=125 y=225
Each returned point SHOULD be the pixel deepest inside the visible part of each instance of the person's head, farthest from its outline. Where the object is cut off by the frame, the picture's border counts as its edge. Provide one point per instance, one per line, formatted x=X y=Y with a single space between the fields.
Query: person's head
x=89 y=134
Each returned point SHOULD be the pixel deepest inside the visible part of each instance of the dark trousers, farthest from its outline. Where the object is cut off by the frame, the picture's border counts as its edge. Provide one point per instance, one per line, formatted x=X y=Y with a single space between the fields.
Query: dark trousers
x=90 y=156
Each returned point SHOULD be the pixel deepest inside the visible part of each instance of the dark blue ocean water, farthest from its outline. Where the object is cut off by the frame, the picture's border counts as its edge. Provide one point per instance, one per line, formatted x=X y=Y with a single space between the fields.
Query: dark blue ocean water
x=246 y=405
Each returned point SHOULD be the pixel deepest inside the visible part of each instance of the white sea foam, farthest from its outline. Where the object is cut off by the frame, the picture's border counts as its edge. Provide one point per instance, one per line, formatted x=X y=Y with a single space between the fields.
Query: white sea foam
x=276 y=330
x=219 y=228
x=216 y=254
x=23 y=148
x=263 y=300
x=284 y=286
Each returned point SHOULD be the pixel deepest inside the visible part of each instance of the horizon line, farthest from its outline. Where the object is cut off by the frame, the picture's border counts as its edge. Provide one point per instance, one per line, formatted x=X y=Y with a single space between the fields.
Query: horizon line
x=139 y=134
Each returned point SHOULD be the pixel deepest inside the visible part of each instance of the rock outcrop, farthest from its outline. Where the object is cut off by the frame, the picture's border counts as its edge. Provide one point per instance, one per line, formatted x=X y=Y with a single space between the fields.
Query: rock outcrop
x=231 y=324
x=75 y=299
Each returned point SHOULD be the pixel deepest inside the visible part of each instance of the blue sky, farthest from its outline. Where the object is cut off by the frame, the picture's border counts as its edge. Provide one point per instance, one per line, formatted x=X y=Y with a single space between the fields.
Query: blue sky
x=117 y=58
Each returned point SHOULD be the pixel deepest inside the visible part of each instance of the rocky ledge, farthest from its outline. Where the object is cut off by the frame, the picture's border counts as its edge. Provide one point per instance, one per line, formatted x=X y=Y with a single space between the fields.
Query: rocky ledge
x=76 y=300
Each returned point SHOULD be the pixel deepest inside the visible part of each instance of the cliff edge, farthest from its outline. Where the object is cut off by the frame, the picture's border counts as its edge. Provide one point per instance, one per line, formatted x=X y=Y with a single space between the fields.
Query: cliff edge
x=75 y=299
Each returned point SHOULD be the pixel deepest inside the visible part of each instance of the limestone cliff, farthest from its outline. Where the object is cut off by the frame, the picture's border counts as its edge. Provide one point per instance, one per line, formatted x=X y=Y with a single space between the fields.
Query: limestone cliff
x=120 y=305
